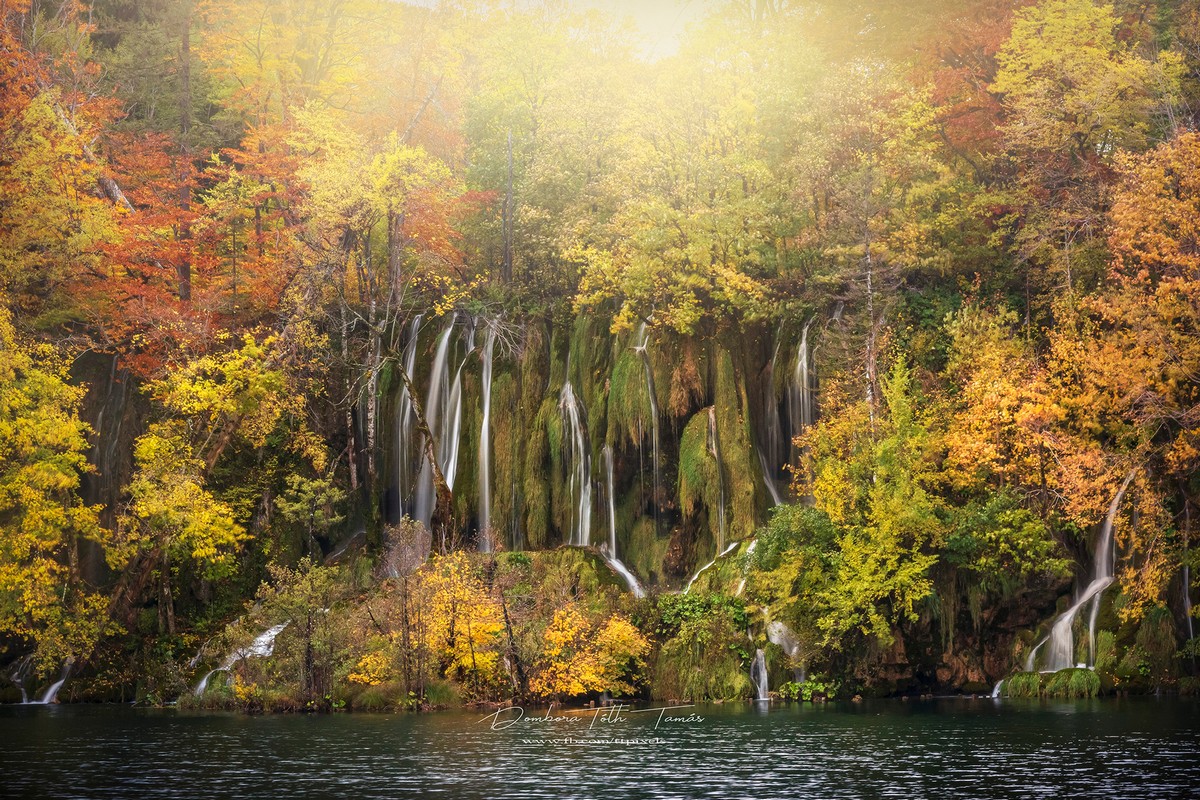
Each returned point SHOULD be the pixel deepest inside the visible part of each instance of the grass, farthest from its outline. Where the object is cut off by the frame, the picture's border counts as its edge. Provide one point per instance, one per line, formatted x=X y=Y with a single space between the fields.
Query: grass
x=1073 y=683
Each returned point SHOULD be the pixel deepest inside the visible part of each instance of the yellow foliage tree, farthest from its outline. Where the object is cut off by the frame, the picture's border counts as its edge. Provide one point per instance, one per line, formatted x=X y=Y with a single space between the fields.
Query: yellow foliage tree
x=43 y=598
x=579 y=656
x=463 y=622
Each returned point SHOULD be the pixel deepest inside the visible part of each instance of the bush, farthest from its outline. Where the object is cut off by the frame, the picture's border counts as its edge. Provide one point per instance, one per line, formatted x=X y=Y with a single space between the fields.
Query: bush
x=809 y=691
x=1072 y=683
x=1023 y=684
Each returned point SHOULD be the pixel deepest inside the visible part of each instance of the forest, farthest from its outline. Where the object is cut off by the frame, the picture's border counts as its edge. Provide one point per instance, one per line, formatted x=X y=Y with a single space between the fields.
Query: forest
x=367 y=355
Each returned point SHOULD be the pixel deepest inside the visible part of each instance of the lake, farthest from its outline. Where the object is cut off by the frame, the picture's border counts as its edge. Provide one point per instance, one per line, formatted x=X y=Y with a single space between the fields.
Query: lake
x=1110 y=748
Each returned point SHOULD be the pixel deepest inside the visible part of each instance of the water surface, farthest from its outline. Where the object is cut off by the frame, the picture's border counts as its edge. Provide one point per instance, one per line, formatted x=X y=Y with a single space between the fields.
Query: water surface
x=1109 y=748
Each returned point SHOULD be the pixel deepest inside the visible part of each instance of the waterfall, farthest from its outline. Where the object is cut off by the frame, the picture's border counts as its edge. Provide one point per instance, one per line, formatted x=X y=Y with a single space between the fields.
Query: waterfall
x=439 y=378
x=612 y=500
x=262 y=646
x=1187 y=601
x=772 y=452
x=580 y=458
x=714 y=444
x=768 y=481
x=997 y=687
x=51 y=694
x=775 y=451
x=408 y=446
x=20 y=670
x=802 y=408
x=728 y=549
x=1060 y=643
x=640 y=349
x=448 y=441
x=773 y=446
x=610 y=555
x=485 y=444
x=758 y=676
x=443 y=412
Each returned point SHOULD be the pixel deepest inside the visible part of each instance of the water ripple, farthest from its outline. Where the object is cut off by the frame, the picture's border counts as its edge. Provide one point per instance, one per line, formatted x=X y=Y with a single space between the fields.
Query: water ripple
x=943 y=748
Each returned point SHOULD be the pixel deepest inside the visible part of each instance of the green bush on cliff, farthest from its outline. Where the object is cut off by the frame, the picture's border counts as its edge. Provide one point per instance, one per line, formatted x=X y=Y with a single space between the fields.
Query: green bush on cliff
x=704 y=654
x=1023 y=684
x=1072 y=683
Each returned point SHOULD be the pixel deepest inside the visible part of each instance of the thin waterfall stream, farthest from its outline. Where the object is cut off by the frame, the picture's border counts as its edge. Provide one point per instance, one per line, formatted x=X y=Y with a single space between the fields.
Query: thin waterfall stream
x=1059 y=644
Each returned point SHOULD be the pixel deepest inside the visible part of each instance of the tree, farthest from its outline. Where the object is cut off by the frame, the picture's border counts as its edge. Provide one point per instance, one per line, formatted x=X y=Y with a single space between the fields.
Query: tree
x=876 y=488
x=173 y=517
x=463 y=622
x=1074 y=95
x=581 y=655
x=45 y=601
x=302 y=598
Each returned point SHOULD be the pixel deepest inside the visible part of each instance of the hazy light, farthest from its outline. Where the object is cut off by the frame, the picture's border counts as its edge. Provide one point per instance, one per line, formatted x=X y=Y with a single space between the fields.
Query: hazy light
x=661 y=23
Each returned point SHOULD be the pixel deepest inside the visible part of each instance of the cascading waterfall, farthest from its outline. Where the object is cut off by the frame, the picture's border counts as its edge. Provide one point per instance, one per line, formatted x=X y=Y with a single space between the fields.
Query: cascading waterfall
x=579 y=456
x=19 y=672
x=801 y=404
x=772 y=453
x=262 y=646
x=51 y=694
x=714 y=444
x=485 y=444
x=448 y=444
x=801 y=413
x=439 y=379
x=1187 y=601
x=780 y=634
x=640 y=348
x=443 y=413
x=408 y=446
x=758 y=676
x=610 y=554
x=997 y=688
x=728 y=549
x=1060 y=643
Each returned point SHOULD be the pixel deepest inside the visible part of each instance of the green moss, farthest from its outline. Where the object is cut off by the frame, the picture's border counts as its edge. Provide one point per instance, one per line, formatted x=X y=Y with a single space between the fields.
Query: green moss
x=1106 y=651
x=1156 y=638
x=1023 y=684
x=507 y=452
x=697 y=467
x=1072 y=683
x=627 y=403
x=733 y=428
x=536 y=486
x=645 y=550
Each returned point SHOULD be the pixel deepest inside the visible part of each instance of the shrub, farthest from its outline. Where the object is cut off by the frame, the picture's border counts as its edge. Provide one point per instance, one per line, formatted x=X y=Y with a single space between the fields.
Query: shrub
x=1023 y=684
x=1073 y=683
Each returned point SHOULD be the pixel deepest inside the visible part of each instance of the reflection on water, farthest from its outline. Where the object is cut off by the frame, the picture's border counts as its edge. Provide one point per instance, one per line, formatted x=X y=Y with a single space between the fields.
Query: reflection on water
x=945 y=748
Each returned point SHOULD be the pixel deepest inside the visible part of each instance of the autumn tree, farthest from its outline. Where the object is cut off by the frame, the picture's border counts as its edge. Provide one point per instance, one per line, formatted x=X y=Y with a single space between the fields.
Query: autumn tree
x=580 y=655
x=463 y=622
x=173 y=517
x=1074 y=95
x=45 y=601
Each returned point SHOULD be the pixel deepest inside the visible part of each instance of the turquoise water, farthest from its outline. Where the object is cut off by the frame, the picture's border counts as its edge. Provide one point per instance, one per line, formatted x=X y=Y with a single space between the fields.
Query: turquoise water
x=1111 y=748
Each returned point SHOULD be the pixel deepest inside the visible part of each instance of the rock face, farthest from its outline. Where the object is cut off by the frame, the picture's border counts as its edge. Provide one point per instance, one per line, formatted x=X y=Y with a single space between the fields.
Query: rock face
x=698 y=436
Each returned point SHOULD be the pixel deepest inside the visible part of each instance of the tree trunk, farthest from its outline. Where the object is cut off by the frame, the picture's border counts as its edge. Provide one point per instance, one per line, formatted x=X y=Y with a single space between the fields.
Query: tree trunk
x=506 y=221
x=443 y=511
x=184 y=267
x=167 y=596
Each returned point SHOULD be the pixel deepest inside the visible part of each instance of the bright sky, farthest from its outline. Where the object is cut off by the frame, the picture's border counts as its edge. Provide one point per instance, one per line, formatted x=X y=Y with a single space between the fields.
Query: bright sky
x=661 y=22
